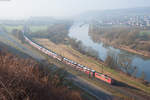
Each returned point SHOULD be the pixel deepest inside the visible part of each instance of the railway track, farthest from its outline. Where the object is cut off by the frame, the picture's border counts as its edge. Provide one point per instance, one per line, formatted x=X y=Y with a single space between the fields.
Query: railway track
x=121 y=88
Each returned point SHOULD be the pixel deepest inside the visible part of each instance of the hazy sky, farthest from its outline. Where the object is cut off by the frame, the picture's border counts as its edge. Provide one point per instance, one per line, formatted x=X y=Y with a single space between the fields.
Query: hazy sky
x=61 y=8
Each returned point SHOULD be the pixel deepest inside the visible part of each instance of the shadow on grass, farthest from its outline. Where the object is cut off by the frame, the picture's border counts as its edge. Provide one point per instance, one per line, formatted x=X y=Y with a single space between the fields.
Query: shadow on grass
x=7 y=48
x=121 y=84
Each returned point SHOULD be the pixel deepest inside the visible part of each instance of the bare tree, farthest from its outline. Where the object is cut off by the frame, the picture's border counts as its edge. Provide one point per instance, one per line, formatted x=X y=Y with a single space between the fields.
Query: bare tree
x=135 y=70
x=112 y=60
x=143 y=76
x=125 y=62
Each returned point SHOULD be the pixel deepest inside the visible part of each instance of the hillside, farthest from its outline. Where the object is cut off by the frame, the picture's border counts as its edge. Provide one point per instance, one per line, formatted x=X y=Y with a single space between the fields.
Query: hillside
x=25 y=79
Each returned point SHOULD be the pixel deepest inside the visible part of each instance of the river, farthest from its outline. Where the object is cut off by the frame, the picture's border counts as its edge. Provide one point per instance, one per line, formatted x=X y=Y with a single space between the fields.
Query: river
x=80 y=32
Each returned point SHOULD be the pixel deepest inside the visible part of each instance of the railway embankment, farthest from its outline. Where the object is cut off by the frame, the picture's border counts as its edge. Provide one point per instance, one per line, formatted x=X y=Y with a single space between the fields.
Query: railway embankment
x=68 y=52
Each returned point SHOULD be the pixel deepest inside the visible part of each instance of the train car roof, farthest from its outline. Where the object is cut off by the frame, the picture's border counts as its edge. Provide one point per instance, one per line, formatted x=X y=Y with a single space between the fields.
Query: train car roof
x=75 y=63
x=93 y=70
x=103 y=75
x=79 y=65
x=86 y=68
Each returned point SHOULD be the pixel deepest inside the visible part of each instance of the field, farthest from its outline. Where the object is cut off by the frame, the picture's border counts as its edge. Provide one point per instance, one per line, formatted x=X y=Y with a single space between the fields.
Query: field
x=34 y=29
x=9 y=28
x=70 y=53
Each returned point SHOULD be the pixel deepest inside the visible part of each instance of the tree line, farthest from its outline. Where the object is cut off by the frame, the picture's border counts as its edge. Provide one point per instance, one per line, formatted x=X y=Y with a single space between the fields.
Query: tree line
x=124 y=64
x=133 y=37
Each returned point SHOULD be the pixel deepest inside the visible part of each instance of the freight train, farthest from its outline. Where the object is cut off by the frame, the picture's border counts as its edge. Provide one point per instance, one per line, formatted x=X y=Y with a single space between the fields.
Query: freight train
x=84 y=69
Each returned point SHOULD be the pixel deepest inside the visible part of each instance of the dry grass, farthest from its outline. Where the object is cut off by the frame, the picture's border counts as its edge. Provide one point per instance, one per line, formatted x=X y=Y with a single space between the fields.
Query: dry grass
x=24 y=79
x=67 y=52
x=70 y=53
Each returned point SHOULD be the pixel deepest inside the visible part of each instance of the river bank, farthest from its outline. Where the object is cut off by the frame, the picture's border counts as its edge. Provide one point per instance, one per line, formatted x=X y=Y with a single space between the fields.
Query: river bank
x=125 y=48
x=82 y=34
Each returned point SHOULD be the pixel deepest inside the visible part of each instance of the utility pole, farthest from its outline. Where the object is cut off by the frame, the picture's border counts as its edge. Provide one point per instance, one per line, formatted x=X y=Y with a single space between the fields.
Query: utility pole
x=102 y=68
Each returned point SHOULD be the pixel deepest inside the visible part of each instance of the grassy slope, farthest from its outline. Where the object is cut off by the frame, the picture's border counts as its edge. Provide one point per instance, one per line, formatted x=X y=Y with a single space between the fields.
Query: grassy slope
x=38 y=28
x=30 y=81
x=68 y=52
x=84 y=95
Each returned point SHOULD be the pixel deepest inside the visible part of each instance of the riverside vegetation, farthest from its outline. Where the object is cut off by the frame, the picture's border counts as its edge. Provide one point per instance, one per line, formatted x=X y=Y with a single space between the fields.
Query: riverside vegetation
x=132 y=39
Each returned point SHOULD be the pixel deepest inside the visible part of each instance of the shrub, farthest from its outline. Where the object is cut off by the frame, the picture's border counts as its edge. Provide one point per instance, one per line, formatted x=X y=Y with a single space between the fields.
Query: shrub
x=25 y=79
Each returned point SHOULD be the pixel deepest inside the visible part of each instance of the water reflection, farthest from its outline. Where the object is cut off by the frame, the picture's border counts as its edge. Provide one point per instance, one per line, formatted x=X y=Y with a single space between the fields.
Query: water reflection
x=81 y=33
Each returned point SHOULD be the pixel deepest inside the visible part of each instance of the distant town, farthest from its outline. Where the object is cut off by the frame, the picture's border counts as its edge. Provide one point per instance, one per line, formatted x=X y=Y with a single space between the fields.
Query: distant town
x=139 y=21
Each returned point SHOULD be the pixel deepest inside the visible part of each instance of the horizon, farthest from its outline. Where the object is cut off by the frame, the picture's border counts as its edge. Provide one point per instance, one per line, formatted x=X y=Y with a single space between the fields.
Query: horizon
x=64 y=17
x=15 y=9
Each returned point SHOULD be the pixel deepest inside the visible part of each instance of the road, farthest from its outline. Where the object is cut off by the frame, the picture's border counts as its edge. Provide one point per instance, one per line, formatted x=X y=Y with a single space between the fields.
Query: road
x=95 y=91
x=13 y=42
